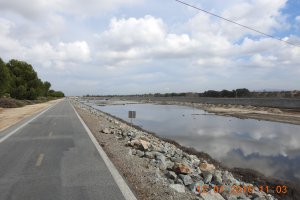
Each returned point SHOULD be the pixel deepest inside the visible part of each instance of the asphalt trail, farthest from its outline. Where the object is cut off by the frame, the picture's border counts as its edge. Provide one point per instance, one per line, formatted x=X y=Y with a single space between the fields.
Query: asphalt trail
x=52 y=157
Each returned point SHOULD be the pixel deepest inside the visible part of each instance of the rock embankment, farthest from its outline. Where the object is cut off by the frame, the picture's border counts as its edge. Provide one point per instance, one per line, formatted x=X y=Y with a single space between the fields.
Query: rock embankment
x=181 y=172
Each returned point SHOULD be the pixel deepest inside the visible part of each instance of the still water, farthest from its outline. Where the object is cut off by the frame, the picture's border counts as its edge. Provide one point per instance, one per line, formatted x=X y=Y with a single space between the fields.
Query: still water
x=271 y=148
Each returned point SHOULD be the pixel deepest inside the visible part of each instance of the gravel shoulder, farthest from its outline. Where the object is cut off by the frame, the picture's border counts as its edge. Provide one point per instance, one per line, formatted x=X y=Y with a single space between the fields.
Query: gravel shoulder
x=159 y=169
x=11 y=116
x=144 y=179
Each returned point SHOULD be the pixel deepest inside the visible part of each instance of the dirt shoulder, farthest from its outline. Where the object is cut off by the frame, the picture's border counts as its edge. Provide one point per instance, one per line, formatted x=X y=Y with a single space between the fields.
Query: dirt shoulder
x=145 y=180
x=11 y=116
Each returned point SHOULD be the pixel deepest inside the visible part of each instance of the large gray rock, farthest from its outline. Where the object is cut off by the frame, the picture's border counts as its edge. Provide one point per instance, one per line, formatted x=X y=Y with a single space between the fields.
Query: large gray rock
x=133 y=151
x=228 y=179
x=149 y=155
x=106 y=131
x=169 y=164
x=217 y=177
x=187 y=180
x=160 y=157
x=162 y=166
x=140 y=153
x=171 y=152
x=171 y=181
x=207 y=177
x=196 y=177
x=179 y=188
x=171 y=175
x=175 y=159
x=178 y=181
x=163 y=149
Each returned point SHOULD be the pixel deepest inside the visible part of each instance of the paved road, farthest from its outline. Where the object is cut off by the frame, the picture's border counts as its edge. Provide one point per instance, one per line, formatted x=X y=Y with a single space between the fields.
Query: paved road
x=53 y=158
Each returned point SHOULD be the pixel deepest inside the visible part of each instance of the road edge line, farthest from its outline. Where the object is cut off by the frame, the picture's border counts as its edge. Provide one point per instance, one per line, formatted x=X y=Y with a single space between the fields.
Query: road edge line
x=23 y=125
x=124 y=188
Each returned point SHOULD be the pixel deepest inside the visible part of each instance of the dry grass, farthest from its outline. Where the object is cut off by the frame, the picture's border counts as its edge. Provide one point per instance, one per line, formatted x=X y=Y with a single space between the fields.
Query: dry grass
x=11 y=116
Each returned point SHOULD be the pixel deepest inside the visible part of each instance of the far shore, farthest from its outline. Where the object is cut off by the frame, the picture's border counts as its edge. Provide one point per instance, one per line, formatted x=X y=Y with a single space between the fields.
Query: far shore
x=279 y=110
x=290 y=116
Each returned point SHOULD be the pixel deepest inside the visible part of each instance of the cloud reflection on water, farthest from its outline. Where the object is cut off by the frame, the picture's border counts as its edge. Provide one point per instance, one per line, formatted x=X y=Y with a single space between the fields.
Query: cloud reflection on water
x=269 y=147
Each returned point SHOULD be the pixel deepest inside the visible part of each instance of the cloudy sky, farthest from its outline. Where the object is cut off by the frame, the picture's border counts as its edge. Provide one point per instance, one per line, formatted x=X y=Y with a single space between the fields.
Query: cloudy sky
x=143 y=46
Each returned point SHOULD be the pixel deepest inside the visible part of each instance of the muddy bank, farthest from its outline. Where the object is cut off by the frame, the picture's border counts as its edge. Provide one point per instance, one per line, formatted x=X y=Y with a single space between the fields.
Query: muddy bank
x=118 y=131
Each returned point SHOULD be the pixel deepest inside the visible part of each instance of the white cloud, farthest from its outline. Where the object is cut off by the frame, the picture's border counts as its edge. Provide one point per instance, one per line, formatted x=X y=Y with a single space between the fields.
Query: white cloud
x=61 y=55
x=35 y=9
x=5 y=26
x=263 y=15
x=143 y=38
x=8 y=45
x=75 y=51
x=30 y=9
x=204 y=54
x=132 y=32
x=148 y=38
x=93 y=7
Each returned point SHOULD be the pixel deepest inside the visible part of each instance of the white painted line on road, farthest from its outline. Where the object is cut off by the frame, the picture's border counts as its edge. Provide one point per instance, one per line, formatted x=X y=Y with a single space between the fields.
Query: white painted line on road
x=127 y=193
x=23 y=125
x=39 y=160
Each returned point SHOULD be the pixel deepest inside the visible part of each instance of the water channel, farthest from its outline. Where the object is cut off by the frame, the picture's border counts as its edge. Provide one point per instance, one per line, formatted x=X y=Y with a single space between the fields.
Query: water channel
x=271 y=148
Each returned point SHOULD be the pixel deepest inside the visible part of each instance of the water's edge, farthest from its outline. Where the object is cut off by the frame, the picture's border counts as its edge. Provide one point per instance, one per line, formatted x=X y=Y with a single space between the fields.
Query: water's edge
x=244 y=174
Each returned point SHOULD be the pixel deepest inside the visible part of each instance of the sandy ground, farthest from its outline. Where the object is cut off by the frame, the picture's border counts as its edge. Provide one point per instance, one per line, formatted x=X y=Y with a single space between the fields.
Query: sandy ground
x=11 y=116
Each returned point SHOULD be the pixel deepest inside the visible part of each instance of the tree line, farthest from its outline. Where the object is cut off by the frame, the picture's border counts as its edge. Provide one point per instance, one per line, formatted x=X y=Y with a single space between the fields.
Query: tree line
x=19 y=80
x=242 y=92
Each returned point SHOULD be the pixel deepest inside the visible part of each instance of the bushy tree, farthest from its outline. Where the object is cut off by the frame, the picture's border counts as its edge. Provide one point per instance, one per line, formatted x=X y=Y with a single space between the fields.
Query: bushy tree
x=4 y=78
x=57 y=94
x=243 y=92
x=46 y=87
x=19 y=79
x=227 y=93
x=211 y=93
x=25 y=82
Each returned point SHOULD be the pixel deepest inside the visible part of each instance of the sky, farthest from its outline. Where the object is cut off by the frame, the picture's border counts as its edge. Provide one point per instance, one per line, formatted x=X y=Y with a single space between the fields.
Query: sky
x=148 y=46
